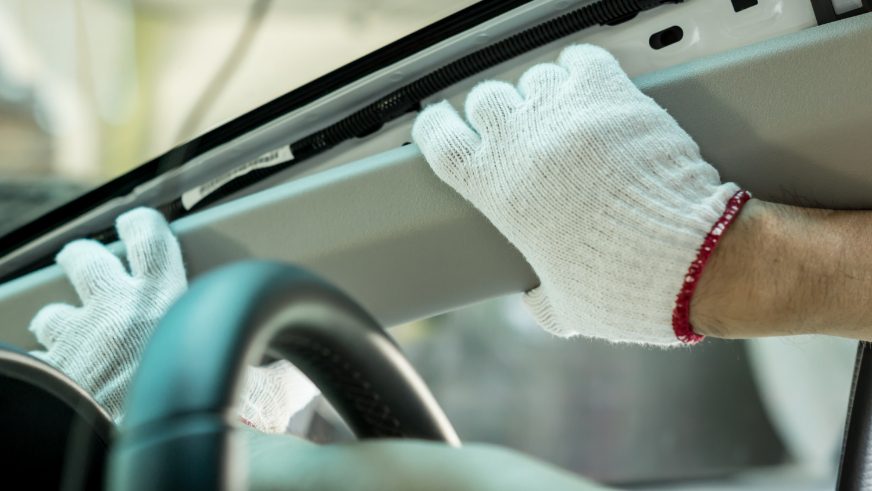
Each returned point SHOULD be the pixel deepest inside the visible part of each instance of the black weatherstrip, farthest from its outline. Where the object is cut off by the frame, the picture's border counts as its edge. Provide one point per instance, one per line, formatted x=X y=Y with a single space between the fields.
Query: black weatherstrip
x=408 y=98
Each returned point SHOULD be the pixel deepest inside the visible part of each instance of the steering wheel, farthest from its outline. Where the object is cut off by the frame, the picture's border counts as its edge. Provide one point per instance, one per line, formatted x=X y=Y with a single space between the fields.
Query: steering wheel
x=178 y=429
x=54 y=435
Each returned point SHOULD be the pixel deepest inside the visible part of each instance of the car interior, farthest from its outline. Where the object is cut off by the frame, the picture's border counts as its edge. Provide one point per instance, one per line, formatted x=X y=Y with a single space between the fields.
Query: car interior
x=326 y=179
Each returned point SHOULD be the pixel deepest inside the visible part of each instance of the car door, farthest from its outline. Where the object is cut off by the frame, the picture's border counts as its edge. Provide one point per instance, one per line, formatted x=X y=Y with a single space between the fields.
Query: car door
x=325 y=176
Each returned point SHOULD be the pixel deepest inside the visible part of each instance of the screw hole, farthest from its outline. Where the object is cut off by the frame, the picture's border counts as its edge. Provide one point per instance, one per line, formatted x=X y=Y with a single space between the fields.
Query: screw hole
x=666 y=37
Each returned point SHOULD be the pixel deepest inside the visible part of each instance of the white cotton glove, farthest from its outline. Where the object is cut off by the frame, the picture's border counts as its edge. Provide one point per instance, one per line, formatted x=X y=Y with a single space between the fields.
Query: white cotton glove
x=273 y=393
x=100 y=343
x=605 y=195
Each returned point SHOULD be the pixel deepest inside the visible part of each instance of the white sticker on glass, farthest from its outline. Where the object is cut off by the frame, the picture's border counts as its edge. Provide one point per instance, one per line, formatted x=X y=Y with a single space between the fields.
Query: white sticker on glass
x=269 y=159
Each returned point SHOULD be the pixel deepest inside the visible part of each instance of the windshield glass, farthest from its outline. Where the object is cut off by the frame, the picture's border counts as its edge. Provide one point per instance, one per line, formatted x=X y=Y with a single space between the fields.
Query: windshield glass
x=89 y=90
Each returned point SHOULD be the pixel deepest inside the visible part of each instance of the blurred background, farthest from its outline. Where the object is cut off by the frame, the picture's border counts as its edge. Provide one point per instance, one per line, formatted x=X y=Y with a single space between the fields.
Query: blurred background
x=92 y=88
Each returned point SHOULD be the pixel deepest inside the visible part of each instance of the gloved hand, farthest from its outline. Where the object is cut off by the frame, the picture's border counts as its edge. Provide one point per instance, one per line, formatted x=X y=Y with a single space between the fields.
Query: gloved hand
x=598 y=187
x=99 y=344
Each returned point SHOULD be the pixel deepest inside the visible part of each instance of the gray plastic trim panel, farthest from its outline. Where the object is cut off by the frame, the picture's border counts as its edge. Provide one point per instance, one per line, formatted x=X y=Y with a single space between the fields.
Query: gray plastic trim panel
x=788 y=118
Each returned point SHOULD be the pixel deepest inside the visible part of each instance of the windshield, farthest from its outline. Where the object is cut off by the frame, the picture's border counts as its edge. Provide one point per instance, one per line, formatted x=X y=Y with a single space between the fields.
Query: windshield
x=89 y=90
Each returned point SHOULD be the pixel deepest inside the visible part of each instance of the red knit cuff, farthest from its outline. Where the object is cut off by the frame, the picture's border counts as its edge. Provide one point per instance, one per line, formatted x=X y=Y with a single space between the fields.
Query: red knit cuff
x=681 y=314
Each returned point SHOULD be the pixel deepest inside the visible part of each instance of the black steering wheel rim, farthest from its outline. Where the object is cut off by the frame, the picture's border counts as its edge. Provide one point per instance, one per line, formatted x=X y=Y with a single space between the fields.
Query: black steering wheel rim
x=181 y=401
x=55 y=435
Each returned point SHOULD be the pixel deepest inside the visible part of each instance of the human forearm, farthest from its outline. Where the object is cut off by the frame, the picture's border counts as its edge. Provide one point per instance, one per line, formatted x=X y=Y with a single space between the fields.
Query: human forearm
x=617 y=212
x=783 y=270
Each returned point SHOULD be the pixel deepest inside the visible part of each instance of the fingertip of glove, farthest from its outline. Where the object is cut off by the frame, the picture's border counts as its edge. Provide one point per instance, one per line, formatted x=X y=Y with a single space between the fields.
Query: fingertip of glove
x=583 y=56
x=541 y=78
x=138 y=218
x=442 y=135
x=492 y=95
x=48 y=318
x=430 y=118
x=77 y=249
